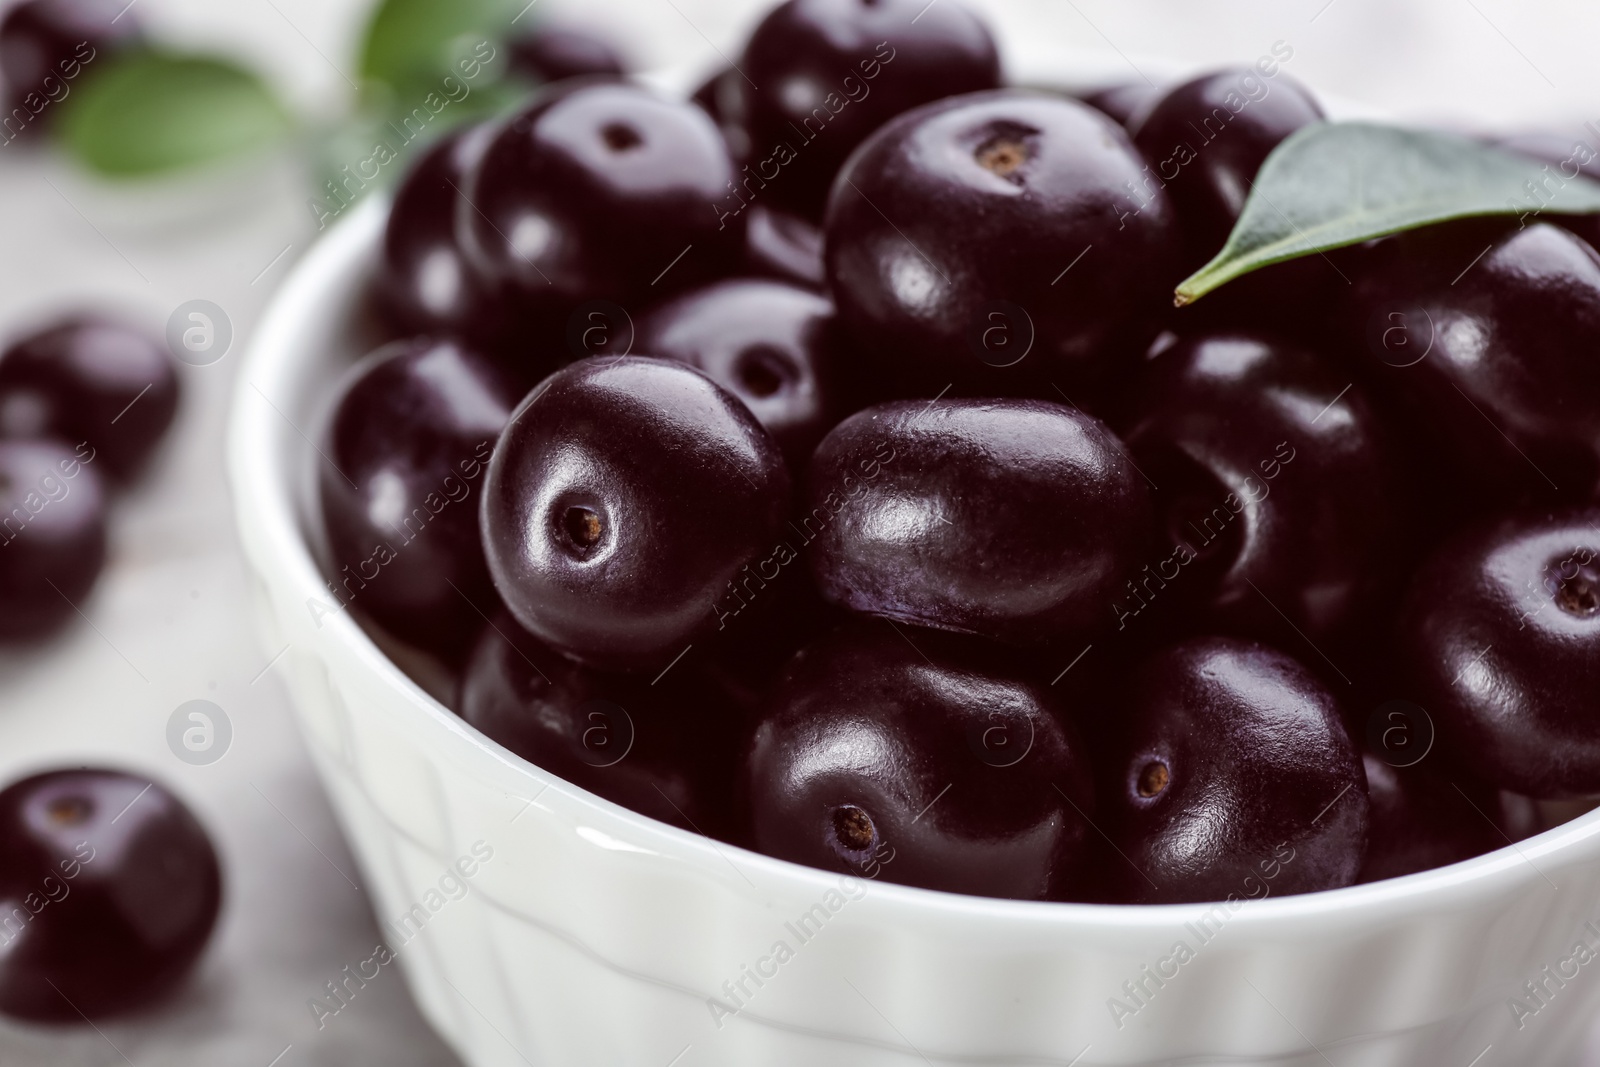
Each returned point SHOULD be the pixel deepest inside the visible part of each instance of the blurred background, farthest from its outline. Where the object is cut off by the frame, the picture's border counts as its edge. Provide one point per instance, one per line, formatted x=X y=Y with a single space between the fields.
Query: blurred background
x=171 y=620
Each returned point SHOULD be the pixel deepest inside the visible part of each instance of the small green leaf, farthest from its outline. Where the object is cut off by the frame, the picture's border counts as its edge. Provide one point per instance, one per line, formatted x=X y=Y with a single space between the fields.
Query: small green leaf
x=412 y=42
x=146 y=112
x=1337 y=184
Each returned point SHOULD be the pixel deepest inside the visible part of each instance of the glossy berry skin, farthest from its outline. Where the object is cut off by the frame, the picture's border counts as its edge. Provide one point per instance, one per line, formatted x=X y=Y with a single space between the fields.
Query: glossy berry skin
x=829 y=72
x=552 y=53
x=721 y=96
x=1276 y=489
x=52 y=534
x=1422 y=819
x=1205 y=140
x=1493 y=368
x=1232 y=778
x=425 y=283
x=90 y=378
x=1500 y=632
x=624 y=497
x=785 y=246
x=412 y=430
x=772 y=345
x=950 y=772
x=594 y=192
x=45 y=45
x=113 y=888
x=1300 y=300
x=1124 y=102
x=953 y=237
x=1017 y=520
x=666 y=750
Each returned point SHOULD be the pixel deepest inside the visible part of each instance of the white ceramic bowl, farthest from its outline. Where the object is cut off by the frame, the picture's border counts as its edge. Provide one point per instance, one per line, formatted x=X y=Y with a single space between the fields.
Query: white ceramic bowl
x=592 y=935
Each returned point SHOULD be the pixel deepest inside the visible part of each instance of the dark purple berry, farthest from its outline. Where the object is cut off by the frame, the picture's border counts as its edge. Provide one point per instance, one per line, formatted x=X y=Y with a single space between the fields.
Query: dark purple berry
x=412 y=431
x=47 y=45
x=667 y=750
x=784 y=246
x=90 y=379
x=52 y=534
x=425 y=283
x=826 y=73
x=550 y=53
x=109 y=889
x=1500 y=636
x=936 y=766
x=1124 y=101
x=1206 y=139
x=1483 y=334
x=1276 y=493
x=624 y=498
x=1014 y=519
x=722 y=97
x=772 y=345
x=1422 y=818
x=989 y=243
x=1231 y=777
x=600 y=190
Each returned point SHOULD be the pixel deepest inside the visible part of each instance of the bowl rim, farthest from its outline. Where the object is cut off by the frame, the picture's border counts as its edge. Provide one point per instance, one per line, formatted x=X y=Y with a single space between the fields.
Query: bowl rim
x=267 y=512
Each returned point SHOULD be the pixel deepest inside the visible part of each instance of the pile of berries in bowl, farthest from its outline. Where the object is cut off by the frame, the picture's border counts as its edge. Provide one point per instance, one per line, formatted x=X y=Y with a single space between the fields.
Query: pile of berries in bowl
x=826 y=469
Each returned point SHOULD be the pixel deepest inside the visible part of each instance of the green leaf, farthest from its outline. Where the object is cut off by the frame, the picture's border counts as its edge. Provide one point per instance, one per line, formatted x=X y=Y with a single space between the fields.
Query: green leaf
x=1337 y=184
x=417 y=42
x=147 y=112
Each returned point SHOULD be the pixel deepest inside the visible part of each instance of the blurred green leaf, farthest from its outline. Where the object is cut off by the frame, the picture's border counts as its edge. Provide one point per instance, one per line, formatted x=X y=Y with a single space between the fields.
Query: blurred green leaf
x=1335 y=184
x=412 y=43
x=148 y=112
x=374 y=147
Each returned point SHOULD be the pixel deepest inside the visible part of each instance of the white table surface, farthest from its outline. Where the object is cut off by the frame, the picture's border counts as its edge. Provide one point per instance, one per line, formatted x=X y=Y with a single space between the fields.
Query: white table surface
x=170 y=620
